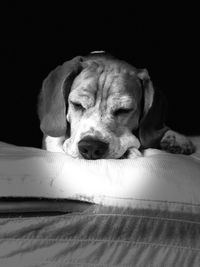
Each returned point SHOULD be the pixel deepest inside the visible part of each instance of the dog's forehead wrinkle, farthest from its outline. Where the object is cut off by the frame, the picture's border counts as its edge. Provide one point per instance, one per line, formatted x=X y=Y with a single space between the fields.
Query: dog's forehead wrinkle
x=119 y=100
x=86 y=84
x=108 y=83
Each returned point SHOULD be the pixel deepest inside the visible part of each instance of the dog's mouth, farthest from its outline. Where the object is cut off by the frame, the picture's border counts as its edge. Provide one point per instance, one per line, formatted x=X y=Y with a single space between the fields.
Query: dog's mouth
x=125 y=155
x=131 y=154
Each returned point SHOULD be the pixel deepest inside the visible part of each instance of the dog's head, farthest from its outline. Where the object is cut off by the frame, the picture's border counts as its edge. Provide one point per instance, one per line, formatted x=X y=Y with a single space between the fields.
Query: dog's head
x=103 y=106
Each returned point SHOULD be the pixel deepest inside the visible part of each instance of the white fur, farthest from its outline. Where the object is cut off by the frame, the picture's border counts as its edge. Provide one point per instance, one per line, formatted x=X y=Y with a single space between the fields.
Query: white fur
x=54 y=144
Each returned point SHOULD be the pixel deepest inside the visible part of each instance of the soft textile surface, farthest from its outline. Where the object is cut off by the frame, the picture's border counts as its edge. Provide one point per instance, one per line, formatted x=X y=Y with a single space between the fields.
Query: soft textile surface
x=158 y=176
x=103 y=236
x=150 y=214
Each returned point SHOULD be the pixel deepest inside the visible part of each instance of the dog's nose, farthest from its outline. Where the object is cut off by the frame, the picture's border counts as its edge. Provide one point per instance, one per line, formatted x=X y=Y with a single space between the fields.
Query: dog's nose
x=91 y=148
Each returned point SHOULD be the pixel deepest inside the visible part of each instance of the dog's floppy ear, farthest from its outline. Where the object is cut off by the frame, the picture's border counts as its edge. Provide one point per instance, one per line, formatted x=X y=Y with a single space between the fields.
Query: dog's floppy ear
x=154 y=107
x=55 y=90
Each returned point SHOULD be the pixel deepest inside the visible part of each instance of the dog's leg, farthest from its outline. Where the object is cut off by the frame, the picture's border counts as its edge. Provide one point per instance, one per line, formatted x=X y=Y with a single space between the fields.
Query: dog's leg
x=133 y=153
x=174 y=142
x=53 y=144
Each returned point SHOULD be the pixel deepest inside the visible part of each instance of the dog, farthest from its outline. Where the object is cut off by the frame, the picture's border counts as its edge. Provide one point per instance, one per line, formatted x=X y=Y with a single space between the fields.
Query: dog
x=99 y=107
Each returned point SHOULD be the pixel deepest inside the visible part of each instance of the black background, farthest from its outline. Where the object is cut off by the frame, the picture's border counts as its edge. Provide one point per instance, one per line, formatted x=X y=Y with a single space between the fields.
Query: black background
x=36 y=38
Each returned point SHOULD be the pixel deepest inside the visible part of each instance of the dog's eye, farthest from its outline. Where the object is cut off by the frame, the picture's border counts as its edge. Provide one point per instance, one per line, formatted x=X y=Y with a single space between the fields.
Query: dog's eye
x=121 y=111
x=77 y=106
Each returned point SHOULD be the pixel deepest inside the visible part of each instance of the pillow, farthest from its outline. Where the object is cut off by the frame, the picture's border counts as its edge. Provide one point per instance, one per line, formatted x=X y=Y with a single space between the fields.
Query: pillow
x=155 y=177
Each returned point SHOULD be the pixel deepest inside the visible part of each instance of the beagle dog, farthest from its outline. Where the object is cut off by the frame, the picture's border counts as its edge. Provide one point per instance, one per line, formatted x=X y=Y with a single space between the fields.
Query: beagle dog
x=99 y=107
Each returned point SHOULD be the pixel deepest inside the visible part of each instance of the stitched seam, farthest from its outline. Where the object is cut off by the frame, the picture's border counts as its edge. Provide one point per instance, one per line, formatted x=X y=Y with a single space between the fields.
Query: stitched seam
x=150 y=200
x=81 y=264
x=101 y=241
x=145 y=200
x=139 y=216
x=97 y=264
x=91 y=264
x=113 y=214
x=156 y=218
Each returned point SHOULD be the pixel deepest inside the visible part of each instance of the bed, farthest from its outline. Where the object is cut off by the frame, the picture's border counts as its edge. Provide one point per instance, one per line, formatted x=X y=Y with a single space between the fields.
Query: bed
x=59 y=211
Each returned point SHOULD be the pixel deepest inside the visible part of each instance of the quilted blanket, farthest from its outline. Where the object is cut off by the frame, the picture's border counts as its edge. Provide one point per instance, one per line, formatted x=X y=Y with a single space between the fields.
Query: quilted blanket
x=142 y=212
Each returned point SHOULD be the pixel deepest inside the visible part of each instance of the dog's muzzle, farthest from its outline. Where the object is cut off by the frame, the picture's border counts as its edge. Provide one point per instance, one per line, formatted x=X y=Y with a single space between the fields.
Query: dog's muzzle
x=91 y=148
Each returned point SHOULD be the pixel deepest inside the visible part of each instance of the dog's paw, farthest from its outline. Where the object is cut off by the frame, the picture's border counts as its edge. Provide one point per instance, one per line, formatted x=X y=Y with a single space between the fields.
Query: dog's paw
x=133 y=153
x=176 y=143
